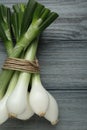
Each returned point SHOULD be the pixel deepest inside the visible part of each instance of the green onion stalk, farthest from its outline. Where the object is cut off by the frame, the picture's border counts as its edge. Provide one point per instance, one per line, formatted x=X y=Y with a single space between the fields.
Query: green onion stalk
x=6 y=36
x=35 y=19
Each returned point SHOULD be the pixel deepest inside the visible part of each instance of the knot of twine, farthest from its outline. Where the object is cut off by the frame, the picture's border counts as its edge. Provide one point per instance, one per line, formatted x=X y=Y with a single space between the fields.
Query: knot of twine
x=21 y=65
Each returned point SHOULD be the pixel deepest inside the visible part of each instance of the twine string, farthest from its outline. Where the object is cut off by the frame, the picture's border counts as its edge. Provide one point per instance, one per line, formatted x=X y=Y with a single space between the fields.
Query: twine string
x=21 y=65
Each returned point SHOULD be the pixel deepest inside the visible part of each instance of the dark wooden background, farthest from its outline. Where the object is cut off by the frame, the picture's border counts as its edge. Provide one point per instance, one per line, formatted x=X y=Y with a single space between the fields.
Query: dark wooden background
x=62 y=55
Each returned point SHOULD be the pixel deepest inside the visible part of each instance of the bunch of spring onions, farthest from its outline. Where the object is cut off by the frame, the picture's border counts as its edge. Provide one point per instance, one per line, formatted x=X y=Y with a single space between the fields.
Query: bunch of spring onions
x=20 y=29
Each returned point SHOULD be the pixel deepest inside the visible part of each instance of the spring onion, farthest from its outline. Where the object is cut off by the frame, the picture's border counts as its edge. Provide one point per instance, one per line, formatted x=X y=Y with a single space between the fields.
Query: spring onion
x=25 y=22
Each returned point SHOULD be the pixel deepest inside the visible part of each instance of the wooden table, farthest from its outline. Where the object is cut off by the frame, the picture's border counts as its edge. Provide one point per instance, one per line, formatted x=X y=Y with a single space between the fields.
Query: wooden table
x=62 y=55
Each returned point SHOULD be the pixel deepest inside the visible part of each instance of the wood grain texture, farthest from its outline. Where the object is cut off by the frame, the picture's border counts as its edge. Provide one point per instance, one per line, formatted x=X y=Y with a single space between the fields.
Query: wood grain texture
x=72 y=21
x=62 y=56
x=63 y=63
x=73 y=114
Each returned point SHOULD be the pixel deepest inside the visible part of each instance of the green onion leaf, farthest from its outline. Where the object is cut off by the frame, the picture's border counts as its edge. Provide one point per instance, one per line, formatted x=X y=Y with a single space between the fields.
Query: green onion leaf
x=28 y=14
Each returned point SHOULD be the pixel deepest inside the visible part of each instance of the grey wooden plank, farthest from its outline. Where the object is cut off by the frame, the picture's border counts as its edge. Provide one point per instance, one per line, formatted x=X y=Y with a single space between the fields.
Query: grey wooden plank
x=72 y=21
x=73 y=114
x=63 y=63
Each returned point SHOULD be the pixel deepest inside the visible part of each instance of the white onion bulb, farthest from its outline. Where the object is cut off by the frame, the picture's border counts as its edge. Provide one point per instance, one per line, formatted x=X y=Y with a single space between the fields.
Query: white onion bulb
x=53 y=111
x=28 y=113
x=39 y=99
x=4 y=114
x=3 y=110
